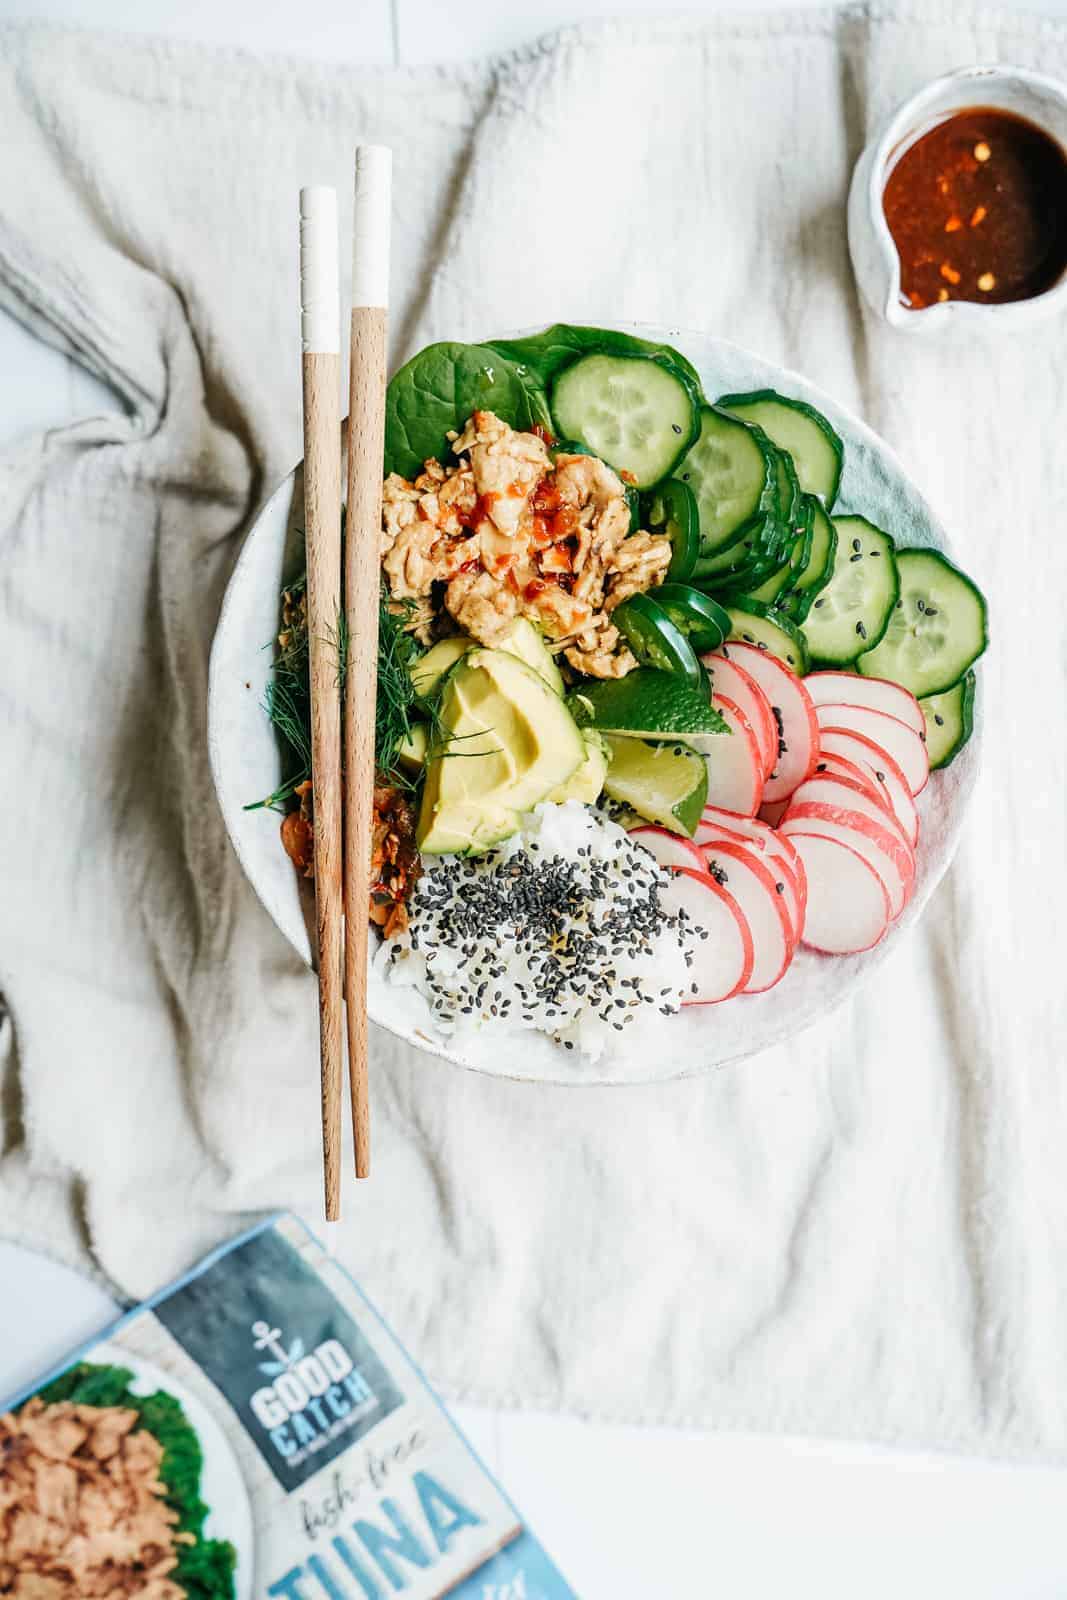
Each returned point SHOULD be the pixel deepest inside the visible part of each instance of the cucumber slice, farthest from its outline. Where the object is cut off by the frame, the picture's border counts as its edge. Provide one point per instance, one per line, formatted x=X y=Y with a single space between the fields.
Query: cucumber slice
x=790 y=514
x=770 y=591
x=794 y=426
x=733 y=474
x=768 y=630
x=937 y=628
x=949 y=721
x=852 y=612
x=815 y=574
x=664 y=783
x=630 y=411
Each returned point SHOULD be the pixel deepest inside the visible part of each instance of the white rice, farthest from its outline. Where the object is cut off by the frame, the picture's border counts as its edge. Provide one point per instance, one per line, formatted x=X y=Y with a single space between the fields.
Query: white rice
x=558 y=929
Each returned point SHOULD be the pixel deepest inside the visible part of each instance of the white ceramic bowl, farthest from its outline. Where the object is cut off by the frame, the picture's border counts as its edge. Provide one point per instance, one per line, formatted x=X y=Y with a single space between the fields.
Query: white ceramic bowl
x=245 y=765
x=874 y=255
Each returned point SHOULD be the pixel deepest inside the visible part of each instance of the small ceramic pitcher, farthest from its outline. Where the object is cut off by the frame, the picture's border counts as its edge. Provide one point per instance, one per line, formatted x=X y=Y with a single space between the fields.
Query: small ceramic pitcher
x=874 y=256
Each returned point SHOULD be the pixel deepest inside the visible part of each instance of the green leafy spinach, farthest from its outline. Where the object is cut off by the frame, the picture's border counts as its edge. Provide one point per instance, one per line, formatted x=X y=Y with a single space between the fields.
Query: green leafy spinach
x=435 y=393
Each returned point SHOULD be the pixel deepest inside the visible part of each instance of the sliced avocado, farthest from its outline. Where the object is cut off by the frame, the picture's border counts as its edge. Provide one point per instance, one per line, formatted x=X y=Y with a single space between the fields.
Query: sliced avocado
x=586 y=782
x=527 y=642
x=427 y=670
x=411 y=756
x=507 y=742
x=665 y=783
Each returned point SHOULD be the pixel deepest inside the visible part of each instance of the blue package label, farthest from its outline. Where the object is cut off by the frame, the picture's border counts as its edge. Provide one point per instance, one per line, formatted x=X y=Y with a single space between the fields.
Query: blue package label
x=328 y=1468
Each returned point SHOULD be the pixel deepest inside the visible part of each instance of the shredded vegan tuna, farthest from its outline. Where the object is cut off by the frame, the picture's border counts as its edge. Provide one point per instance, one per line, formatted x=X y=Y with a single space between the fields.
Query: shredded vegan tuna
x=81 y=1506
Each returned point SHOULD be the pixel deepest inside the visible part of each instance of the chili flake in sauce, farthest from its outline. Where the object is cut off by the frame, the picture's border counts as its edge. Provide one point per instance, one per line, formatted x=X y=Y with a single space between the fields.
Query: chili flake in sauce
x=977 y=208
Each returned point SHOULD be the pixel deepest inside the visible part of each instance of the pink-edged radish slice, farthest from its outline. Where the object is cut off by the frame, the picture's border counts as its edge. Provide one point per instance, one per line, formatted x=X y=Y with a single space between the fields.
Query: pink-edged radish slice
x=715 y=824
x=877 y=694
x=670 y=849
x=722 y=962
x=883 y=770
x=740 y=871
x=772 y=811
x=735 y=764
x=828 y=789
x=848 y=903
x=728 y=679
x=791 y=707
x=831 y=766
x=884 y=850
x=894 y=737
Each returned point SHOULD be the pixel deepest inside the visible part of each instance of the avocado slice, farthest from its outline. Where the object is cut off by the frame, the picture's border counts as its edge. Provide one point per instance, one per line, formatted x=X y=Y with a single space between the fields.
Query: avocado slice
x=507 y=742
x=586 y=782
x=411 y=754
x=527 y=642
x=426 y=671
x=522 y=639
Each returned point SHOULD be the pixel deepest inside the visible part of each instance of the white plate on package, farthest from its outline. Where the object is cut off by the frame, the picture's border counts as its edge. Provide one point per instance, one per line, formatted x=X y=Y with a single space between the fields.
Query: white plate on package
x=245 y=763
x=222 y=1486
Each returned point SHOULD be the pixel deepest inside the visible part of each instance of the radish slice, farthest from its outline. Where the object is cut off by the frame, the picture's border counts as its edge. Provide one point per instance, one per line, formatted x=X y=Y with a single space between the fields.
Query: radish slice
x=894 y=736
x=848 y=905
x=670 y=849
x=884 y=850
x=730 y=680
x=882 y=769
x=722 y=963
x=738 y=869
x=715 y=824
x=735 y=763
x=798 y=730
x=831 y=766
x=877 y=694
x=824 y=788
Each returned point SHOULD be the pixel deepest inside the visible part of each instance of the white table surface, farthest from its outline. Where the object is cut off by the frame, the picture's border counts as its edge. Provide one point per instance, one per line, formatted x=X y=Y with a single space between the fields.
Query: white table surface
x=629 y=1514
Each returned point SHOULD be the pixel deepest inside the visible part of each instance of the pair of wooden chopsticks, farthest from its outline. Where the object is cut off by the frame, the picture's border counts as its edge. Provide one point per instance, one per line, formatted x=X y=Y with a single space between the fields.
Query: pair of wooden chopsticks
x=343 y=791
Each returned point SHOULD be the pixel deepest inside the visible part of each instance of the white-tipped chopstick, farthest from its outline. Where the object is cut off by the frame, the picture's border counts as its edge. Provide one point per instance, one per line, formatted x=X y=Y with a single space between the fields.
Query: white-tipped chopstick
x=320 y=341
x=366 y=443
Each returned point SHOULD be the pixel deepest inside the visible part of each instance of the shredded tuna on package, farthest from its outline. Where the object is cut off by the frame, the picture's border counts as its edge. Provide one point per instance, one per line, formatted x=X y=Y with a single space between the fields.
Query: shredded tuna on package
x=82 y=1514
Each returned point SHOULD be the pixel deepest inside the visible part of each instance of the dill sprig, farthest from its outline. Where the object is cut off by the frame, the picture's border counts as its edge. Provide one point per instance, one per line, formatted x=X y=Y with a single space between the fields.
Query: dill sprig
x=288 y=697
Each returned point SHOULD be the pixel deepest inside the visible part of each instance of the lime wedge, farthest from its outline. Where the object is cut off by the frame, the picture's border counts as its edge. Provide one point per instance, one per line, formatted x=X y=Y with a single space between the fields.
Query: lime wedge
x=647 y=704
x=665 y=783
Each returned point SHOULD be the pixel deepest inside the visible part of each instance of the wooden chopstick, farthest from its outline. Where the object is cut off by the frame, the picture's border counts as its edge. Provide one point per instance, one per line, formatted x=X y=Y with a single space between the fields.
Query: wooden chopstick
x=366 y=445
x=320 y=340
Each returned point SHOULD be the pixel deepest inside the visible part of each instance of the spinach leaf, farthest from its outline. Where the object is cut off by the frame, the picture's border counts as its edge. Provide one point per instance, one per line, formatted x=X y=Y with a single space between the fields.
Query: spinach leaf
x=546 y=354
x=437 y=391
x=205 y=1568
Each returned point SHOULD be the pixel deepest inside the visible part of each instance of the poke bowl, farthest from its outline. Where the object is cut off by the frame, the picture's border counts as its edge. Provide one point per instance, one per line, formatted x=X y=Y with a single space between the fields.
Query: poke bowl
x=677 y=716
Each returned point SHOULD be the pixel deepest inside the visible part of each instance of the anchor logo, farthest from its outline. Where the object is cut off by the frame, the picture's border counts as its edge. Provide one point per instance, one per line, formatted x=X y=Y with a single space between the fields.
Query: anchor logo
x=264 y=1337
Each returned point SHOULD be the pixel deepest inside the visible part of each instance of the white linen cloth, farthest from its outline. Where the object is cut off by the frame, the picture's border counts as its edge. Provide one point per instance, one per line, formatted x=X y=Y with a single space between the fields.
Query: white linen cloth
x=863 y=1233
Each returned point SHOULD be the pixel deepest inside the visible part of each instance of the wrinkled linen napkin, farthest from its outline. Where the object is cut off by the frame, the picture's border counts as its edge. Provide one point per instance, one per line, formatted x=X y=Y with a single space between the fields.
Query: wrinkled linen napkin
x=861 y=1233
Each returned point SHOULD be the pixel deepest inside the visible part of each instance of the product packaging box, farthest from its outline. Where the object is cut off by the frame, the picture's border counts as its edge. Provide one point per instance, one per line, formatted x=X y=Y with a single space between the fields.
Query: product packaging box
x=253 y=1431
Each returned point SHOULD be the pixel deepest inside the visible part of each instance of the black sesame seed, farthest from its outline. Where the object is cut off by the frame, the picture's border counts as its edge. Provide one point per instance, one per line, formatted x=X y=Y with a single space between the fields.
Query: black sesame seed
x=855 y=558
x=861 y=630
x=856 y=545
x=939 y=719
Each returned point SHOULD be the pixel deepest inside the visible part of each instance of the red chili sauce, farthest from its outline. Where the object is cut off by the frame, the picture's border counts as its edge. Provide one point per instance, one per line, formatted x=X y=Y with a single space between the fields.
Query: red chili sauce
x=977 y=209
